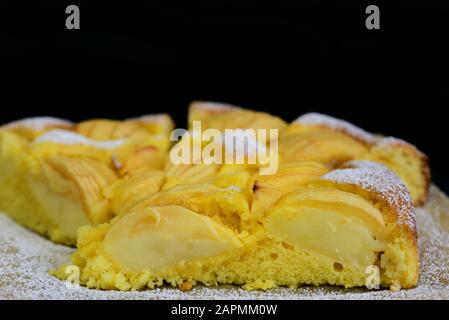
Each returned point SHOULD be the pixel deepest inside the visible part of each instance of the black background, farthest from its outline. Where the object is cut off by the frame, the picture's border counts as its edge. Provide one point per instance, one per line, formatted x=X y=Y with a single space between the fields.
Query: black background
x=132 y=58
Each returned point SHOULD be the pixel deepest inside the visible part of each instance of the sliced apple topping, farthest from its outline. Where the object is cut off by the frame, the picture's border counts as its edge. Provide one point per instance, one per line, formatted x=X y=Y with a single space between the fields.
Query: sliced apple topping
x=144 y=158
x=161 y=237
x=71 y=191
x=104 y=129
x=267 y=189
x=127 y=192
x=229 y=204
x=189 y=173
x=222 y=116
x=323 y=146
x=160 y=123
x=337 y=224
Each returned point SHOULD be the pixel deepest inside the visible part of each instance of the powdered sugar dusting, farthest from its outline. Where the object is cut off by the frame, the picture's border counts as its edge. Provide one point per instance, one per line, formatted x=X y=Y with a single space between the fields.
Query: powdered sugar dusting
x=385 y=184
x=25 y=259
x=392 y=142
x=151 y=118
x=213 y=106
x=364 y=164
x=319 y=119
x=66 y=137
x=38 y=123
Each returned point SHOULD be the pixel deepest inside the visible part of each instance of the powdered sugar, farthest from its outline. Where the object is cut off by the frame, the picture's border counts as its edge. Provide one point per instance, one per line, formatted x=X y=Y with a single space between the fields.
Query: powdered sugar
x=383 y=142
x=323 y=120
x=213 y=106
x=385 y=184
x=66 y=137
x=391 y=141
x=38 y=123
x=364 y=164
x=25 y=259
x=318 y=119
x=151 y=118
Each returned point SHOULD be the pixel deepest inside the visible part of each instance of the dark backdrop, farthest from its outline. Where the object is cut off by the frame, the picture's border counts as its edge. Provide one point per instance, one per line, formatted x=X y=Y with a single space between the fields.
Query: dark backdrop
x=131 y=58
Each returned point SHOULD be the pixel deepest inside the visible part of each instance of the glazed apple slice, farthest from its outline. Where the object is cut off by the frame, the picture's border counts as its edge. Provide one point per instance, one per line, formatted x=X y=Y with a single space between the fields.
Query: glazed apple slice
x=71 y=192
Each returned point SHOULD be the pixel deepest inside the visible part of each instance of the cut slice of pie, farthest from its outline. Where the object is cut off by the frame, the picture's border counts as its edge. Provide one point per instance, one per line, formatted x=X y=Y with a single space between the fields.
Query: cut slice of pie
x=52 y=194
x=54 y=176
x=332 y=230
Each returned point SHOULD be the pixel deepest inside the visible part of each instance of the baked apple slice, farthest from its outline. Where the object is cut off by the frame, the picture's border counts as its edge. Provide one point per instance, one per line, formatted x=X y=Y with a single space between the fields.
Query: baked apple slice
x=157 y=238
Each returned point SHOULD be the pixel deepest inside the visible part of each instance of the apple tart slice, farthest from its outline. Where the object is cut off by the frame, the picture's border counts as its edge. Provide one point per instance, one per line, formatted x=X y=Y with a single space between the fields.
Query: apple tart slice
x=54 y=175
x=50 y=191
x=353 y=221
x=52 y=194
x=351 y=227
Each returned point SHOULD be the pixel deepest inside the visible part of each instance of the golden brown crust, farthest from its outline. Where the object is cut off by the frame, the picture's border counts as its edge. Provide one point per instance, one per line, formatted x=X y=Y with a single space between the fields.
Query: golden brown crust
x=423 y=159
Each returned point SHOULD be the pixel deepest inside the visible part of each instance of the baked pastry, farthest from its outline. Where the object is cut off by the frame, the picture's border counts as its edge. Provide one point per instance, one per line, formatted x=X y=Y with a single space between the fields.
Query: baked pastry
x=320 y=137
x=327 y=231
x=53 y=180
x=334 y=210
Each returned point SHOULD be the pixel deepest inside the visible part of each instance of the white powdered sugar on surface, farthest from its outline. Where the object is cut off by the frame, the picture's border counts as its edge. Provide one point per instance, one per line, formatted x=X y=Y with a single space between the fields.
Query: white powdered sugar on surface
x=38 y=123
x=25 y=259
x=385 y=184
x=319 y=119
x=66 y=137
